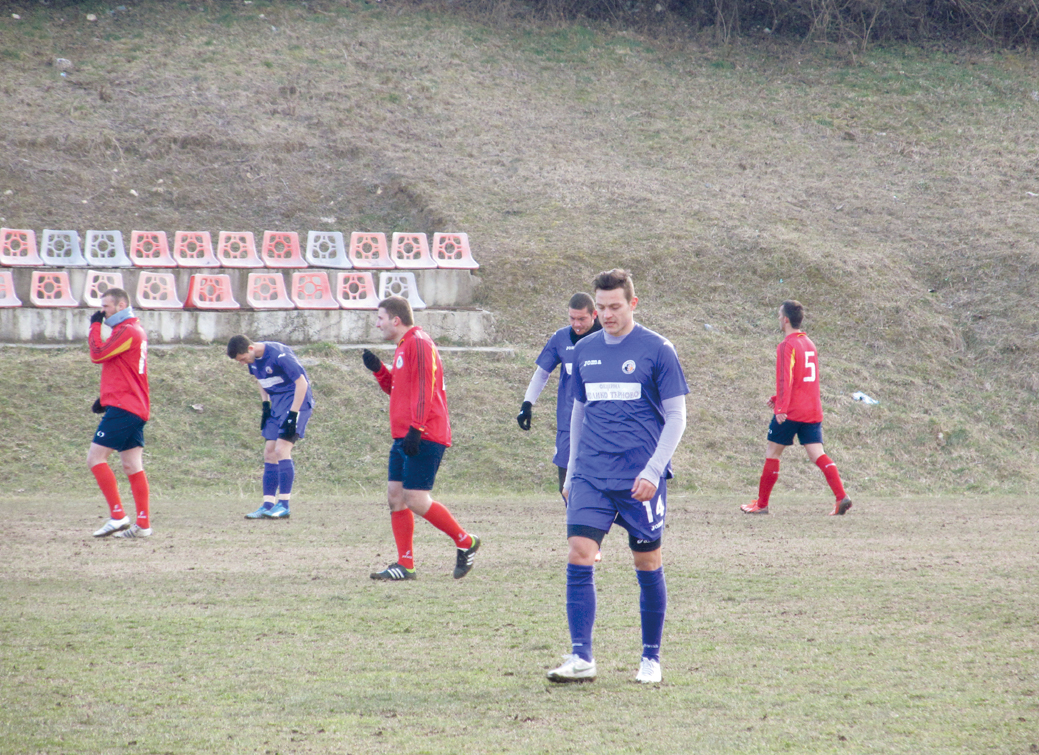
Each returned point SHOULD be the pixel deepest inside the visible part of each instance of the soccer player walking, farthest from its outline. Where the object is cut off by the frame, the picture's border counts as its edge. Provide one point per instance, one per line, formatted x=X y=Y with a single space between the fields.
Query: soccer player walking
x=288 y=402
x=126 y=405
x=559 y=351
x=421 y=432
x=628 y=417
x=798 y=411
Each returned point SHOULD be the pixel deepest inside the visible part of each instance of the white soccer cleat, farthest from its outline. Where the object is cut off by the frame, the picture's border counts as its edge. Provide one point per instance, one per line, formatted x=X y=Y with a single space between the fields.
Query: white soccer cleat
x=113 y=525
x=574 y=669
x=136 y=531
x=649 y=672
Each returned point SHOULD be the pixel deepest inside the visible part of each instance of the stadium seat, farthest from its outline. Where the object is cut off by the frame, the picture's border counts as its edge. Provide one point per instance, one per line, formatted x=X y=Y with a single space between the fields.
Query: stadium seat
x=411 y=250
x=157 y=290
x=368 y=251
x=326 y=249
x=8 y=297
x=267 y=291
x=97 y=282
x=311 y=290
x=356 y=290
x=210 y=291
x=150 y=249
x=451 y=250
x=400 y=284
x=105 y=249
x=237 y=249
x=51 y=288
x=281 y=249
x=18 y=248
x=61 y=249
x=194 y=249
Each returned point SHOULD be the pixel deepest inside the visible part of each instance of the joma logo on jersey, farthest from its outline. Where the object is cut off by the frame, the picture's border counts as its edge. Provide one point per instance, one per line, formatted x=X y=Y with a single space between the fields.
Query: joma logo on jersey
x=591 y=362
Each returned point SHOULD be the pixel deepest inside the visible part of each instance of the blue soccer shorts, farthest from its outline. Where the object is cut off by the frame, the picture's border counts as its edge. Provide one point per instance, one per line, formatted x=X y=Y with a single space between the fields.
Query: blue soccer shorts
x=588 y=506
x=281 y=404
x=417 y=472
x=805 y=432
x=120 y=430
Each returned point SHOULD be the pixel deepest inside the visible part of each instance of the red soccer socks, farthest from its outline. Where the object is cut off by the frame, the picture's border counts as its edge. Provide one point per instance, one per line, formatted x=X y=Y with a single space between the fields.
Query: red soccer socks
x=109 y=488
x=769 y=475
x=403 y=525
x=441 y=518
x=833 y=477
x=140 y=490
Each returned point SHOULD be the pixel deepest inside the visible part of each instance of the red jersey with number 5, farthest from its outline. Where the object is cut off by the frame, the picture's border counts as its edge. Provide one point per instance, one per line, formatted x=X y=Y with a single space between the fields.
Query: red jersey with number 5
x=124 y=366
x=415 y=382
x=797 y=379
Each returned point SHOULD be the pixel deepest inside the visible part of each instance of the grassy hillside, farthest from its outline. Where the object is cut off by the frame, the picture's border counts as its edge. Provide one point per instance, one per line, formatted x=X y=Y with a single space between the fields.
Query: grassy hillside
x=892 y=191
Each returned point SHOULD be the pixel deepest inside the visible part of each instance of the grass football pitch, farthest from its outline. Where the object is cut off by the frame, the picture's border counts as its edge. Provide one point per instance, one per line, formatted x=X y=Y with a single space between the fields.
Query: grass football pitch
x=908 y=625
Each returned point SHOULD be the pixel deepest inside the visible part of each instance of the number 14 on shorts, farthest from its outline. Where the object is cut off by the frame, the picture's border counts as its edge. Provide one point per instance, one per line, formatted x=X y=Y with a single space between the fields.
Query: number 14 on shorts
x=649 y=508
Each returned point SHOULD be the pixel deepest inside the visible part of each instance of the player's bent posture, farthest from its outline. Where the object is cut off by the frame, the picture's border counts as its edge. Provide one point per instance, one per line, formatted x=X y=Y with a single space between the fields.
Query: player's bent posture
x=559 y=351
x=288 y=402
x=126 y=405
x=627 y=420
x=421 y=432
x=798 y=411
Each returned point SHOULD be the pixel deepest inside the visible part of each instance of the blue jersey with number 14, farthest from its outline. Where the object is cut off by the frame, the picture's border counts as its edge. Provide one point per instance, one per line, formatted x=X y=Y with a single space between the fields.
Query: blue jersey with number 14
x=623 y=387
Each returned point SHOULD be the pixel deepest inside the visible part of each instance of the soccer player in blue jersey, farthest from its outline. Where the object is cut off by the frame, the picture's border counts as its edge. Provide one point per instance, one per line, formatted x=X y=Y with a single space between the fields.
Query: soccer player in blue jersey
x=288 y=402
x=627 y=420
x=559 y=351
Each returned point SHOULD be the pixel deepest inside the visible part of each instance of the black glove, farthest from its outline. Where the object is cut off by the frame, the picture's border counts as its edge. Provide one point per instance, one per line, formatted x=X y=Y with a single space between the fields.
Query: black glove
x=266 y=415
x=98 y=316
x=525 y=415
x=288 y=427
x=97 y=408
x=412 y=441
x=371 y=361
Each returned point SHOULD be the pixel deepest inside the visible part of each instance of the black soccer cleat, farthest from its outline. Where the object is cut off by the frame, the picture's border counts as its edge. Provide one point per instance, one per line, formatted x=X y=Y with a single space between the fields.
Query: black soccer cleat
x=394 y=573
x=464 y=560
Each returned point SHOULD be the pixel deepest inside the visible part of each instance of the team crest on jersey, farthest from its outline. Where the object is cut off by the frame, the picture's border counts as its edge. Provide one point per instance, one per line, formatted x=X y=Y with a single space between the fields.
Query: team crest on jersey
x=269 y=369
x=628 y=367
x=400 y=361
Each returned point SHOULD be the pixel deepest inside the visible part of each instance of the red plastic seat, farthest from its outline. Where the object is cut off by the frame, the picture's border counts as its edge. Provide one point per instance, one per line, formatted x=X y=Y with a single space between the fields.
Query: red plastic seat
x=368 y=251
x=150 y=249
x=237 y=249
x=210 y=291
x=281 y=249
x=311 y=290
x=356 y=290
x=411 y=250
x=267 y=291
x=157 y=290
x=451 y=250
x=194 y=249
x=51 y=288
x=18 y=248
x=8 y=297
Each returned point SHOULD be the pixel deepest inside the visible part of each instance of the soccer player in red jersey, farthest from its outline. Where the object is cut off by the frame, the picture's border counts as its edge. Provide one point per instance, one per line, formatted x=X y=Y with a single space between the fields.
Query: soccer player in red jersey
x=798 y=411
x=125 y=403
x=421 y=433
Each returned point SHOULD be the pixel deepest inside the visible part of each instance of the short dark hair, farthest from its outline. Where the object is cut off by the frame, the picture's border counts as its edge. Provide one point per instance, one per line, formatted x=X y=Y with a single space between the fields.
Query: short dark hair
x=398 y=306
x=608 y=280
x=118 y=294
x=794 y=311
x=581 y=300
x=238 y=345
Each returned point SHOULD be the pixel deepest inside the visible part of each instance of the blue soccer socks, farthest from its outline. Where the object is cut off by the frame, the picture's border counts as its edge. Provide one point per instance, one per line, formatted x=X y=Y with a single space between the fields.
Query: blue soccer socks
x=270 y=484
x=580 y=608
x=653 y=606
x=286 y=474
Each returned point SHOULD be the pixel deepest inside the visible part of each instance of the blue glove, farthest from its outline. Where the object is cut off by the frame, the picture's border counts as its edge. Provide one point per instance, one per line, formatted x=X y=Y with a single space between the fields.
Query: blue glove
x=525 y=415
